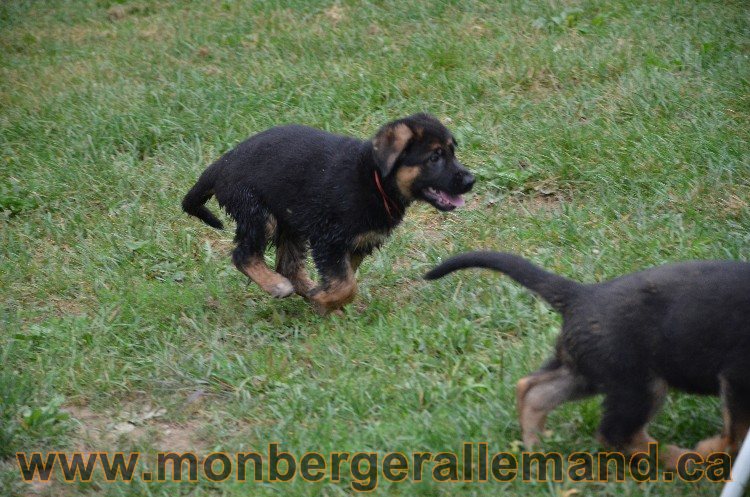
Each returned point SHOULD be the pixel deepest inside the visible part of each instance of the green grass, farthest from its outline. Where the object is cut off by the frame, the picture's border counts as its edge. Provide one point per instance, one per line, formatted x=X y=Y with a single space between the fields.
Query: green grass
x=606 y=137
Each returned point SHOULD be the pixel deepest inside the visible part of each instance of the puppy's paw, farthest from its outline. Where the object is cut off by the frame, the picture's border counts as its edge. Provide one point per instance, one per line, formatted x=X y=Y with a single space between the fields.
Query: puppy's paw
x=281 y=289
x=711 y=445
x=530 y=440
x=671 y=455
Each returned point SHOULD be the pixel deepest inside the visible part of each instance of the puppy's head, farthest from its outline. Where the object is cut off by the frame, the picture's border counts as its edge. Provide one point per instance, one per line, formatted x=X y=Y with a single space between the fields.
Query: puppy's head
x=418 y=154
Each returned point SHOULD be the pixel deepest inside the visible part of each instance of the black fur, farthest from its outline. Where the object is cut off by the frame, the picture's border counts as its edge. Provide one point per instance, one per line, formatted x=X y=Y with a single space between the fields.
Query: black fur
x=320 y=191
x=685 y=324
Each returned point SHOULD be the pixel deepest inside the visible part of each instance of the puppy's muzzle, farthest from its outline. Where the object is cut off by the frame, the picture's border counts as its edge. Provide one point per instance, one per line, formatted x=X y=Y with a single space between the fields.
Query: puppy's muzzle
x=467 y=181
x=463 y=181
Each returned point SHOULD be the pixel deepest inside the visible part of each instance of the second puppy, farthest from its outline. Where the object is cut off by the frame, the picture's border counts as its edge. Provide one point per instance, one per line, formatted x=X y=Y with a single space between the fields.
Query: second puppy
x=684 y=325
x=298 y=188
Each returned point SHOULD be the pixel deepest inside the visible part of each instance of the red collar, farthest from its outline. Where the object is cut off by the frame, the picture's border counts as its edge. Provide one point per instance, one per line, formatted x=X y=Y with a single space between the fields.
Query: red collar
x=387 y=202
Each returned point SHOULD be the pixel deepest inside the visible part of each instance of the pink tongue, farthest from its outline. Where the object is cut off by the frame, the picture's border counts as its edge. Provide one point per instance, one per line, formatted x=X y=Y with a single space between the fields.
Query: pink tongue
x=454 y=200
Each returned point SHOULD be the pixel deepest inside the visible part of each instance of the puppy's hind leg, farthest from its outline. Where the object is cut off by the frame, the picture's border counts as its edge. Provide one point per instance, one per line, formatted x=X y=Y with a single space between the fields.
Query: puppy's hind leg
x=253 y=222
x=291 y=253
x=541 y=392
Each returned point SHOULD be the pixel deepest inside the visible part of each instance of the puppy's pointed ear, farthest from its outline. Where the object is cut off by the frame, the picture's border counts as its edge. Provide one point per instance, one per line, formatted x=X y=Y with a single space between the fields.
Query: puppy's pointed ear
x=389 y=144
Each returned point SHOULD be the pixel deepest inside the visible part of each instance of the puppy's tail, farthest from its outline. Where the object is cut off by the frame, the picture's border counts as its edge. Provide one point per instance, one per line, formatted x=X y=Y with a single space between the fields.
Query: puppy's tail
x=199 y=195
x=556 y=290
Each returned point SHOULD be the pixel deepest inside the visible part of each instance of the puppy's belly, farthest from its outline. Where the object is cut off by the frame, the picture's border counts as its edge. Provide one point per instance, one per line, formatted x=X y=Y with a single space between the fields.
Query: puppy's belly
x=702 y=384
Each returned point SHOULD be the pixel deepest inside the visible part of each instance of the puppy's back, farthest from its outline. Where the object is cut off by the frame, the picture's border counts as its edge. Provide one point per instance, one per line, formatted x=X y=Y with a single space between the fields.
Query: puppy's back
x=285 y=163
x=690 y=320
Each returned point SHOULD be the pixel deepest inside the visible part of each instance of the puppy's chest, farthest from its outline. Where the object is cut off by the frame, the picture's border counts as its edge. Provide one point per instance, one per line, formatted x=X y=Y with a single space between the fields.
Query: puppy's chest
x=368 y=241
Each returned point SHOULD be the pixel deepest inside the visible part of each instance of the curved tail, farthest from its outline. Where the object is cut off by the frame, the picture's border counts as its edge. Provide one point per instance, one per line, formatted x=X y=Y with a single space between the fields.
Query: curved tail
x=556 y=290
x=199 y=195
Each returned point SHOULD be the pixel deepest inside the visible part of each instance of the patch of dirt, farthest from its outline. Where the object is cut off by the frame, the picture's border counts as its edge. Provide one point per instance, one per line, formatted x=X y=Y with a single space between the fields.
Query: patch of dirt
x=83 y=33
x=335 y=13
x=36 y=488
x=68 y=307
x=212 y=70
x=120 y=431
x=131 y=425
x=121 y=11
x=156 y=31
x=536 y=203
x=734 y=205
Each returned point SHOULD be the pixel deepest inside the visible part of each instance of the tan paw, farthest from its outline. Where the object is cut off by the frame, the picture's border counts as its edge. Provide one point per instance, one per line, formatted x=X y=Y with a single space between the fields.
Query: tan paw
x=281 y=289
x=671 y=454
x=711 y=445
x=530 y=440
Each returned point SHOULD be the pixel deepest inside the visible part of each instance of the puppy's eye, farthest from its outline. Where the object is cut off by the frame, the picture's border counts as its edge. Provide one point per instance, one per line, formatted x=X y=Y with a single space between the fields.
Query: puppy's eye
x=436 y=155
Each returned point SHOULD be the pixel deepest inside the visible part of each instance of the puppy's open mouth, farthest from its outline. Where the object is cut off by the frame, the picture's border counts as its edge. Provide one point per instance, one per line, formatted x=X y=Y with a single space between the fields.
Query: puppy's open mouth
x=442 y=199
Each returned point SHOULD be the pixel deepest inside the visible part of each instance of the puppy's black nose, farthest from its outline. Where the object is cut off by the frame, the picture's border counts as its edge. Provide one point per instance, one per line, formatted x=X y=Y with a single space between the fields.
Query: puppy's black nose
x=467 y=181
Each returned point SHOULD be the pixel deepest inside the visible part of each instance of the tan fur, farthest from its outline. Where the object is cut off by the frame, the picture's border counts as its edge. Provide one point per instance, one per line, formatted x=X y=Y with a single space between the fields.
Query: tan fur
x=405 y=176
x=401 y=136
x=537 y=395
x=269 y=280
x=391 y=142
x=668 y=454
x=719 y=443
x=271 y=226
x=336 y=294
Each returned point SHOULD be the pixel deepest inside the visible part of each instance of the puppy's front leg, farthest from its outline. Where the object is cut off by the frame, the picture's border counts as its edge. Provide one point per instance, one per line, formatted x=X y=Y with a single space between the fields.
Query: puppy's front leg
x=736 y=414
x=338 y=286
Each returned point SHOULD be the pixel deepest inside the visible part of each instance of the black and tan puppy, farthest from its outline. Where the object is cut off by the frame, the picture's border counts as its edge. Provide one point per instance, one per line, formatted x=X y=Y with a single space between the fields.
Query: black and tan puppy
x=684 y=325
x=300 y=188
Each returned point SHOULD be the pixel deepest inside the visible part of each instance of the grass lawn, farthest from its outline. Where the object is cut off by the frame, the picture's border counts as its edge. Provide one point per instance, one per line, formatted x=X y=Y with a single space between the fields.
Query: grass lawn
x=605 y=136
